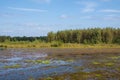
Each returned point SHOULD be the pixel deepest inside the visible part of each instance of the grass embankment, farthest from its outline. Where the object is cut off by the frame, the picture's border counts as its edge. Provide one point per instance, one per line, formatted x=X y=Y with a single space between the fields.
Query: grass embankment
x=55 y=45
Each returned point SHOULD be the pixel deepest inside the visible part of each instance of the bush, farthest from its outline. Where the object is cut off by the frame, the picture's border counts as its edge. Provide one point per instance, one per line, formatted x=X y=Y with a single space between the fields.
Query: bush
x=3 y=46
x=56 y=44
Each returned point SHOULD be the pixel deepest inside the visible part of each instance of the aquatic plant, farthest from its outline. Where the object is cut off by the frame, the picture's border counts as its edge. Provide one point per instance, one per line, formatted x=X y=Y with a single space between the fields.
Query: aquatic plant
x=71 y=60
x=98 y=75
x=109 y=64
x=31 y=78
x=115 y=57
x=29 y=61
x=12 y=66
x=46 y=61
x=38 y=61
x=48 y=78
x=118 y=69
x=95 y=62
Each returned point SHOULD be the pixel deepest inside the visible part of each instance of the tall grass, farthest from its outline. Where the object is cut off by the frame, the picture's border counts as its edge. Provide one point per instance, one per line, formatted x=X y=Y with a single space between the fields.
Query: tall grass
x=25 y=44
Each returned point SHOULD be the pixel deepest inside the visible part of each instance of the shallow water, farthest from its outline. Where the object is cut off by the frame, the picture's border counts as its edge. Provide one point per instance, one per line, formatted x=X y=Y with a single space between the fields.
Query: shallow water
x=24 y=64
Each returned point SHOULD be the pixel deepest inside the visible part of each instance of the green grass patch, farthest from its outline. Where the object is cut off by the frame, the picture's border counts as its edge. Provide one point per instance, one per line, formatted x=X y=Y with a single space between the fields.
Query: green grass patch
x=98 y=75
x=49 y=78
x=109 y=64
x=71 y=60
x=115 y=57
x=45 y=62
x=23 y=44
x=96 y=63
x=38 y=61
x=12 y=66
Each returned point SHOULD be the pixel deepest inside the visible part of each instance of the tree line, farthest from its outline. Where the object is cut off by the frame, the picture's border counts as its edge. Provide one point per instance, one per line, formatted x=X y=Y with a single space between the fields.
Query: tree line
x=87 y=36
x=84 y=36
x=24 y=38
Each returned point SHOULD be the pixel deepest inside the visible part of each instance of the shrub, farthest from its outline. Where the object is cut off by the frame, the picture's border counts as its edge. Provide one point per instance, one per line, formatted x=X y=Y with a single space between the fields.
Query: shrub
x=56 y=44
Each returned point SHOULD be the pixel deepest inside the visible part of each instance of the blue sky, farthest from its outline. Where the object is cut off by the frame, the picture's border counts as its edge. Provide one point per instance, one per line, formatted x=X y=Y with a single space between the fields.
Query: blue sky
x=38 y=17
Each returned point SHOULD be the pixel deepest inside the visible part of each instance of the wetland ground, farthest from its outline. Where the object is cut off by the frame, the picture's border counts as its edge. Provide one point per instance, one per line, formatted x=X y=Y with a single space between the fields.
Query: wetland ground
x=60 y=64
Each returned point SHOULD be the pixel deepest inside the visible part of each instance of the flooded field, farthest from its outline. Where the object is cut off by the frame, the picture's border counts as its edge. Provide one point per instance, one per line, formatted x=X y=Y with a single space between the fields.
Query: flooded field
x=60 y=64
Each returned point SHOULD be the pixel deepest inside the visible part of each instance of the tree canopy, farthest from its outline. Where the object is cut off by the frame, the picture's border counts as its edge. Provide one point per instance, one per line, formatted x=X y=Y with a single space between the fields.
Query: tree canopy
x=87 y=36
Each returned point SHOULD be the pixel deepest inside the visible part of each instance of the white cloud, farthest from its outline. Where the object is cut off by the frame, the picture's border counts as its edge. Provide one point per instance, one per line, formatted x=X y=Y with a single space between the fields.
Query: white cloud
x=27 y=9
x=64 y=16
x=110 y=10
x=112 y=17
x=88 y=6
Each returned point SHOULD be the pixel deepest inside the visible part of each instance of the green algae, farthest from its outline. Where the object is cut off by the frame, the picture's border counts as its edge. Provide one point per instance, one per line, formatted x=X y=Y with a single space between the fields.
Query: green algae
x=96 y=63
x=38 y=61
x=109 y=64
x=115 y=57
x=12 y=66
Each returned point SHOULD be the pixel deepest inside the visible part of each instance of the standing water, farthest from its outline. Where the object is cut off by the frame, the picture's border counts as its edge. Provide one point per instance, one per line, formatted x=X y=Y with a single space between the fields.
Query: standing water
x=89 y=64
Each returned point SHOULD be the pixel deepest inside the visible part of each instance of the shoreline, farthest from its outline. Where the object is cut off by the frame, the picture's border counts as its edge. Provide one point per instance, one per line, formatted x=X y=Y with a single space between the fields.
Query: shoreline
x=64 y=45
x=67 y=51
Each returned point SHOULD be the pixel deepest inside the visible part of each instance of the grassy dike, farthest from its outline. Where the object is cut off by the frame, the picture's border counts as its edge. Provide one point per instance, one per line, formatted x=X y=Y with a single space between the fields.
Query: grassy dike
x=55 y=45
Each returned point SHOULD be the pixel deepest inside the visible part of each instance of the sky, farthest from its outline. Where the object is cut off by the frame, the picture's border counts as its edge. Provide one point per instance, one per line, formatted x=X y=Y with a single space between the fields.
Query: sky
x=38 y=17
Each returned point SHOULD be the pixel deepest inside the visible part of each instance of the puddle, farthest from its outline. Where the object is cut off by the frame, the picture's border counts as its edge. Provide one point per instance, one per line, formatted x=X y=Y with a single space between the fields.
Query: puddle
x=14 y=59
x=35 y=56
